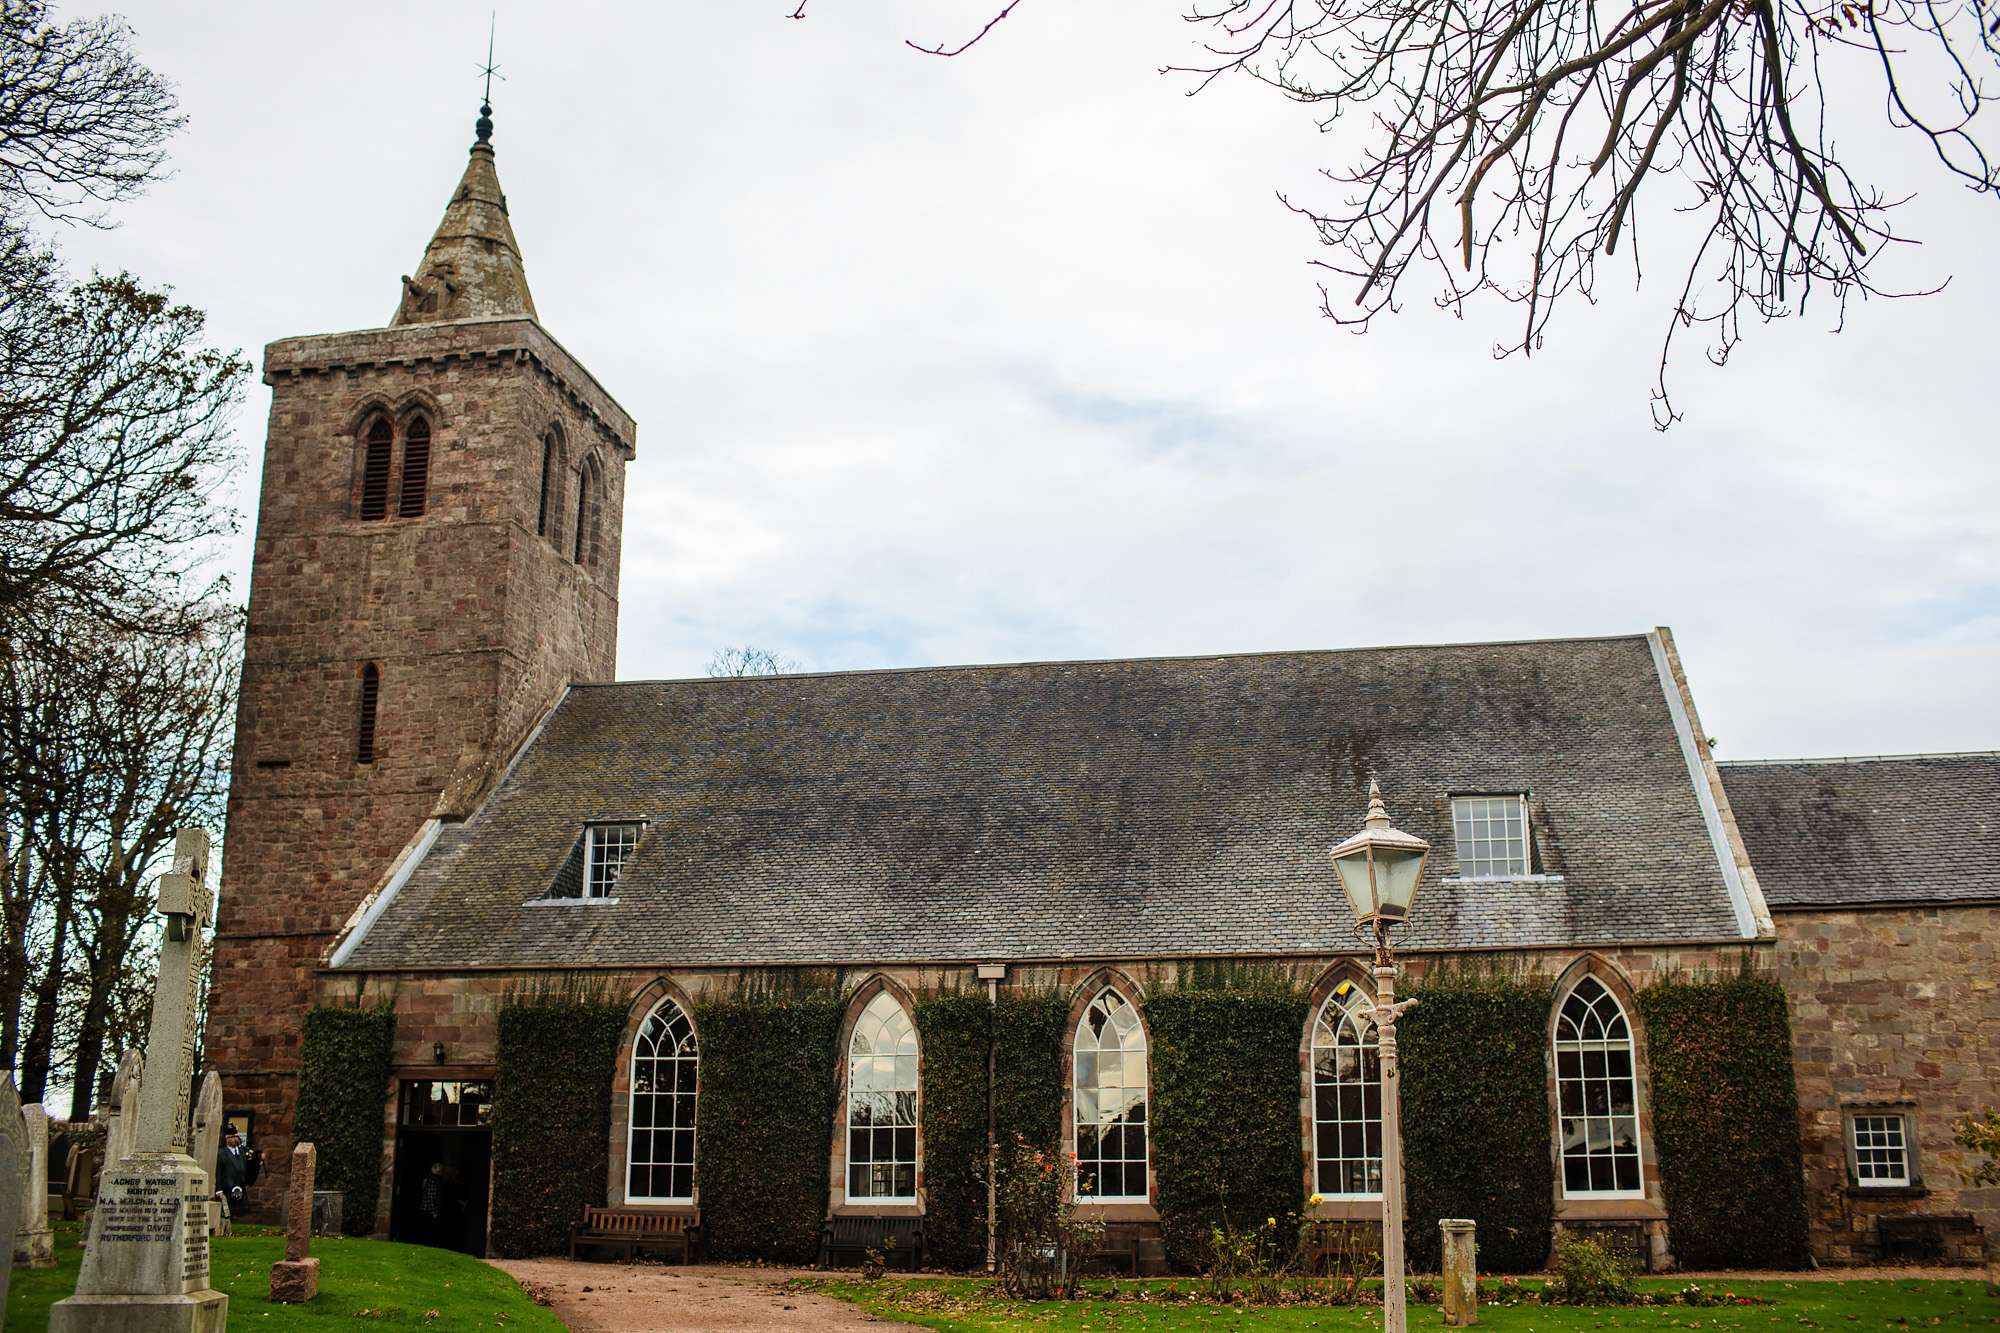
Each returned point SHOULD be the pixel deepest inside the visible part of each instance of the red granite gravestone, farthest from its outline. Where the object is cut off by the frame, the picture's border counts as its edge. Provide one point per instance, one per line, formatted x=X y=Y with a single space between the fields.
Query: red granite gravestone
x=295 y=1278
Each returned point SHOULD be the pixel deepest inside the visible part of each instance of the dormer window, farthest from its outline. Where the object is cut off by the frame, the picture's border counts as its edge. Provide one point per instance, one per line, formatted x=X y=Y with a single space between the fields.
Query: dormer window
x=1493 y=837
x=596 y=860
x=606 y=849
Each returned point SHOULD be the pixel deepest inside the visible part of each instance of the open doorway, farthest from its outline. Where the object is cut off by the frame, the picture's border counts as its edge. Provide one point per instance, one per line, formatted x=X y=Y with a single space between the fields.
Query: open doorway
x=444 y=1161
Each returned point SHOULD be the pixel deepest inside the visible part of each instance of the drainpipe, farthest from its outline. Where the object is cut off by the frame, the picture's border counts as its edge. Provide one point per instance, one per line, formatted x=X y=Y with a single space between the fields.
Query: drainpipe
x=992 y=974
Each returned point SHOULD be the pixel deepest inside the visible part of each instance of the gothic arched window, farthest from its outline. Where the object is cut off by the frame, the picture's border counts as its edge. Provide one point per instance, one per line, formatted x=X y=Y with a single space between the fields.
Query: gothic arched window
x=660 y=1142
x=588 y=502
x=377 y=441
x=1108 y=1091
x=415 y=490
x=1597 y=1094
x=545 y=506
x=882 y=1104
x=1347 y=1097
x=364 y=731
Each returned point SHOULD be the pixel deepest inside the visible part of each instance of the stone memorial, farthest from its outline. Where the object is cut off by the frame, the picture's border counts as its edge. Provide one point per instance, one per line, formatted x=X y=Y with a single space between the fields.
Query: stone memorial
x=13 y=1166
x=121 y=1118
x=295 y=1278
x=34 y=1243
x=329 y=1211
x=1461 y=1272
x=205 y=1141
x=145 y=1265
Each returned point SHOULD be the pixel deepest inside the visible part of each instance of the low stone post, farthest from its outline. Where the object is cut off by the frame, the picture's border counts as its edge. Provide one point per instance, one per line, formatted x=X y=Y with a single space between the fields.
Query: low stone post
x=13 y=1165
x=295 y=1278
x=1461 y=1272
x=34 y=1243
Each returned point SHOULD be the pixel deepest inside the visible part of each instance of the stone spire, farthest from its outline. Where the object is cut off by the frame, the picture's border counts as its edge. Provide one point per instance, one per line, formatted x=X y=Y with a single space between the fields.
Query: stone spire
x=472 y=267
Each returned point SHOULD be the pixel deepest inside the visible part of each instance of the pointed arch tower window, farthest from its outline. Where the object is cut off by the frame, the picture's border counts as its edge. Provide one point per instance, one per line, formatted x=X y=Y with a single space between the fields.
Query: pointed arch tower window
x=1597 y=1095
x=659 y=1148
x=377 y=441
x=587 y=483
x=882 y=1104
x=545 y=507
x=1347 y=1097
x=1108 y=1092
x=414 y=493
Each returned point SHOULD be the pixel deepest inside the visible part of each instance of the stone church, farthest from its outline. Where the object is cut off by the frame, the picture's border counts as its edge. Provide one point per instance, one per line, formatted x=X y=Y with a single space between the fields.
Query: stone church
x=440 y=792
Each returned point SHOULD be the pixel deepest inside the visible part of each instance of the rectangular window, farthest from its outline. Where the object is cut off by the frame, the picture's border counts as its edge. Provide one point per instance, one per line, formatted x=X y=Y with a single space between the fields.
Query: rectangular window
x=606 y=849
x=1879 y=1149
x=1492 y=836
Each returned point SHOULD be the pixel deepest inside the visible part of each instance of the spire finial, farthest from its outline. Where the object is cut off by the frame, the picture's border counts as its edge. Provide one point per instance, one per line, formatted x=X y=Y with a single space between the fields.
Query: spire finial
x=1378 y=814
x=483 y=127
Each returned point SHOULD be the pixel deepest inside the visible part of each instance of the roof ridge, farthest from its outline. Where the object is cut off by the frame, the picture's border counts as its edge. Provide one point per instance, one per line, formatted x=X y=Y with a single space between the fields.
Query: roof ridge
x=1119 y=661
x=1859 y=758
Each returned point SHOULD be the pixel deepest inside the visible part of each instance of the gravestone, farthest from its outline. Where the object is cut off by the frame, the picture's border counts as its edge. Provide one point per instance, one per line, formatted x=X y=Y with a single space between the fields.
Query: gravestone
x=13 y=1166
x=205 y=1140
x=329 y=1210
x=34 y=1243
x=1461 y=1272
x=121 y=1117
x=145 y=1267
x=295 y=1278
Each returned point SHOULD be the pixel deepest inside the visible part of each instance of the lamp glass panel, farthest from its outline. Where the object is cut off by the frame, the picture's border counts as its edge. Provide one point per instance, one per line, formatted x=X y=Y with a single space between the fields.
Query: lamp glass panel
x=1354 y=879
x=1396 y=873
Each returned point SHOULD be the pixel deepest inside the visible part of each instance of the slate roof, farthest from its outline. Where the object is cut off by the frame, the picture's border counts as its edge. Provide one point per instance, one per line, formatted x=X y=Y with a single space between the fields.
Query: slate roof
x=1124 y=809
x=1838 y=832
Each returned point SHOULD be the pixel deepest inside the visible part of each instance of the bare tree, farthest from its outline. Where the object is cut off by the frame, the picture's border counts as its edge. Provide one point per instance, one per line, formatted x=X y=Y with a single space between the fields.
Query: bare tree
x=114 y=437
x=749 y=661
x=82 y=122
x=1505 y=144
x=110 y=741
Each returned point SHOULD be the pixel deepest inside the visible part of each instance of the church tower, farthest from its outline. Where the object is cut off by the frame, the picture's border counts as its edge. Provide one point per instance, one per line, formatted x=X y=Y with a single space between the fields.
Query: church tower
x=436 y=558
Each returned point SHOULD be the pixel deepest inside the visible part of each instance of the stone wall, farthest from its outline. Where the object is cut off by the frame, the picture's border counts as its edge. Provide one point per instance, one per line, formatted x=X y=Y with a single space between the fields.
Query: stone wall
x=1893 y=1010
x=475 y=622
x=460 y=1009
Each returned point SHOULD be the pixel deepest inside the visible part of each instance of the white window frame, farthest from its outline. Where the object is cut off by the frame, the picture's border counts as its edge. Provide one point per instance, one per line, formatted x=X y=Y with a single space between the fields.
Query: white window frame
x=1904 y=1148
x=1347 y=1004
x=916 y=1093
x=1145 y=1087
x=1461 y=819
x=633 y=1094
x=591 y=835
x=1631 y=1046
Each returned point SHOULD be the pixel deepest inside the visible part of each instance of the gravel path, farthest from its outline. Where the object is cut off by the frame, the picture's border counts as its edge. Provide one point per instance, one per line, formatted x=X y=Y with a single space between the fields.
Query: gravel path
x=698 y=1298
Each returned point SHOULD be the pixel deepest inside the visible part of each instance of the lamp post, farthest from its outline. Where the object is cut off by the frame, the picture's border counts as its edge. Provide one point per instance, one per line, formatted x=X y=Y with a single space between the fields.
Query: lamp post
x=1379 y=869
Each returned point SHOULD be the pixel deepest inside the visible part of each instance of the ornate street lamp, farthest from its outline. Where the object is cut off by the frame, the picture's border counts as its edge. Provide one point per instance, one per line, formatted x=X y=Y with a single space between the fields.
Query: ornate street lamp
x=1379 y=869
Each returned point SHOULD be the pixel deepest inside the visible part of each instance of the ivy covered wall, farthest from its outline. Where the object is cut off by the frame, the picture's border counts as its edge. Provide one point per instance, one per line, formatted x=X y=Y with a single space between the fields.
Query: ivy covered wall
x=763 y=1122
x=343 y=1083
x=1474 y=1069
x=953 y=1030
x=1225 y=1111
x=1726 y=1121
x=557 y=1053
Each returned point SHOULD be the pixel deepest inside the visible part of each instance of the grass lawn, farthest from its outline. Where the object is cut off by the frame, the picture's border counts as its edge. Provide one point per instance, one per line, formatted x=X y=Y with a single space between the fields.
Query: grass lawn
x=376 y=1283
x=963 y=1305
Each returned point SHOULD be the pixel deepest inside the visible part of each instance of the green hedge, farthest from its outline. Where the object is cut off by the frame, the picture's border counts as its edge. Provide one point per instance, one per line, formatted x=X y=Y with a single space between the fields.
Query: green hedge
x=557 y=1055
x=1474 y=1069
x=1726 y=1121
x=1225 y=1112
x=343 y=1083
x=765 y=1122
x=954 y=1030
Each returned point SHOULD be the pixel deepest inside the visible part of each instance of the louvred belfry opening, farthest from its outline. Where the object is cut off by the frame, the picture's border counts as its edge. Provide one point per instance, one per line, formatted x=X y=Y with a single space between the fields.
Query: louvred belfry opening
x=416 y=469
x=375 y=471
x=364 y=732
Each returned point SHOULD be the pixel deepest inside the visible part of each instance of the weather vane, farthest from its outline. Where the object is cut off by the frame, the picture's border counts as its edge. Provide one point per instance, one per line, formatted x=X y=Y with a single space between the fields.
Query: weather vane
x=484 y=127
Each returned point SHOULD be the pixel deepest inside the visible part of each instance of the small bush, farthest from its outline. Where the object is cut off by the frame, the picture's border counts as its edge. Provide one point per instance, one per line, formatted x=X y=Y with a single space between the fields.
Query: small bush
x=1587 y=1274
x=1043 y=1243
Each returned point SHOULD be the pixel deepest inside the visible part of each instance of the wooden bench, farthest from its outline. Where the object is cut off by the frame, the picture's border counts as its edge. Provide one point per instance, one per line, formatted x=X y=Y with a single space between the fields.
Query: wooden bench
x=630 y=1230
x=849 y=1238
x=1919 y=1235
x=1121 y=1250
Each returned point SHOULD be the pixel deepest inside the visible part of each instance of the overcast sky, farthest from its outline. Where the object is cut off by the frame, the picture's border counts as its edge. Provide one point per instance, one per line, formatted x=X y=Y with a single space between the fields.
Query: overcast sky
x=1015 y=356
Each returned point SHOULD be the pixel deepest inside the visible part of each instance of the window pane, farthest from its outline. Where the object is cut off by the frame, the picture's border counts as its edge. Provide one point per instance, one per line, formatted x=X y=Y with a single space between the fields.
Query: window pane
x=1596 y=1094
x=1347 y=1102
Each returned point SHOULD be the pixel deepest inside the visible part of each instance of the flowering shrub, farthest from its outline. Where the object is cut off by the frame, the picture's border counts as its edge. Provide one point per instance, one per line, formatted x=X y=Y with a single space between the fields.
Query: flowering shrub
x=1043 y=1243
